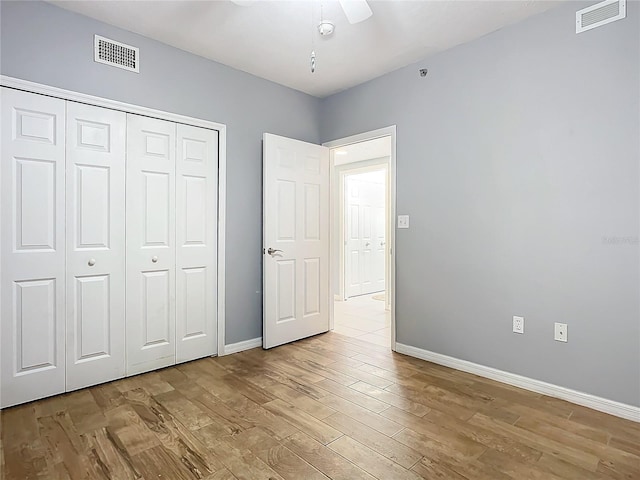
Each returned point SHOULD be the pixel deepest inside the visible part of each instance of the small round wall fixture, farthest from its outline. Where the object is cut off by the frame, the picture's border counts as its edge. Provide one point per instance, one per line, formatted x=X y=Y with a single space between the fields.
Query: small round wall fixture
x=326 y=28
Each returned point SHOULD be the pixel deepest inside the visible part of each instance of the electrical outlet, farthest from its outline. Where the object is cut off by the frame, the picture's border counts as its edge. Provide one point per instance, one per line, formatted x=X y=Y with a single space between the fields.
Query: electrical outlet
x=560 y=334
x=403 y=221
x=518 y=324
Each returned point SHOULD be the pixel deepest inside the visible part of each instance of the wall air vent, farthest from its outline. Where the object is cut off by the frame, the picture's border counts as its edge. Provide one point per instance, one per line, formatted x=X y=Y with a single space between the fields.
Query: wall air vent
x=600 y=14
x=116 y=54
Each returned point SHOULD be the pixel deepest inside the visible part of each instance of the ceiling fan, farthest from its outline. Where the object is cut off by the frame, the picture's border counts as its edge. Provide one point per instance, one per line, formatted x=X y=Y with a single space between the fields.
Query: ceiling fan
x=356 y=11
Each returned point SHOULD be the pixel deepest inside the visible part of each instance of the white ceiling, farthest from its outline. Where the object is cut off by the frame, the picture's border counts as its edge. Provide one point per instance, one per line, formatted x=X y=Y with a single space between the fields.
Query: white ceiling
x=273 y=39
x=368 y=150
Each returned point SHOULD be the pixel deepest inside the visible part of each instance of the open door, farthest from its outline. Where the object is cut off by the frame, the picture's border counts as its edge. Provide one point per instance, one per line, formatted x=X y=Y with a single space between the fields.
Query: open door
x=295 y=240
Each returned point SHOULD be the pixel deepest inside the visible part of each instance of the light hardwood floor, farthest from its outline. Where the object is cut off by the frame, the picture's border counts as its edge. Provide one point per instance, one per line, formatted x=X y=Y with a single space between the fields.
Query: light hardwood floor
x=329 y=406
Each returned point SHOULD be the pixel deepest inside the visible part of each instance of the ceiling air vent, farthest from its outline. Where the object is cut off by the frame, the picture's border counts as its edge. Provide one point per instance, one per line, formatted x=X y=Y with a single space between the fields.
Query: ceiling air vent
x=116 y=54
x=600 y=14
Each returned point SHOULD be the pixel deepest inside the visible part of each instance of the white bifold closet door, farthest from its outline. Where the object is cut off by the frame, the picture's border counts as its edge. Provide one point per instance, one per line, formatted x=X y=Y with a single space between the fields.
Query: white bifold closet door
x=95 y=245
x=108 y=241
x=196 y=242
x=171 y=243
x=151 y=249
x=32 y=171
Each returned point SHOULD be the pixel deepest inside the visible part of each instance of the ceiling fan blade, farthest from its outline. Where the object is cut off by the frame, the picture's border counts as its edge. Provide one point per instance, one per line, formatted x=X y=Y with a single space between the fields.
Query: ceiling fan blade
x=356 y=11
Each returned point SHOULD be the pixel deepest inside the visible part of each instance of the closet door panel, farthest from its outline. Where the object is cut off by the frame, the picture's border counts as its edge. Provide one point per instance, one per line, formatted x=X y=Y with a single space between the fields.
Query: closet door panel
x=32 y=239
x=95 y=245
x=196 y=239
x=151 y=257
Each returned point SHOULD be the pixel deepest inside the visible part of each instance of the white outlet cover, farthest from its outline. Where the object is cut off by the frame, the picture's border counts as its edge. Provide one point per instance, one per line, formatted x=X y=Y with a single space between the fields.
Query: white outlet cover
x=561 y=332
x=518 y=324
x=403 y=221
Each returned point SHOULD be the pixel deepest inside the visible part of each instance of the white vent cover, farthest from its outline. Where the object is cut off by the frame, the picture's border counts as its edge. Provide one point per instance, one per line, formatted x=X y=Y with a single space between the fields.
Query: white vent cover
x=116 y=54
x=600 y=14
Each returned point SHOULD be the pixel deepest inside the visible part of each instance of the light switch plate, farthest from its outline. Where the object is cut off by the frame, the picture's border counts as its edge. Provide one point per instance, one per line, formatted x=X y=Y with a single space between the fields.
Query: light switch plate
x=403 y=221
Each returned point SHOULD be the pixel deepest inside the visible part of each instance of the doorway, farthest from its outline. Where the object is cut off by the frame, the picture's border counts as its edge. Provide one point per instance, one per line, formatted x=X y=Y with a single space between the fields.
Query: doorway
x=363 y=236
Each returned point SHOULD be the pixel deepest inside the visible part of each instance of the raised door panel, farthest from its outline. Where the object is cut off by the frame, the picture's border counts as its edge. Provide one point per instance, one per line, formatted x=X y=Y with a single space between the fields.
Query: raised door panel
x=35 y=325
x=35 y=205
x=196 y=242
x=32 y=286
x=150 y=244
x=285 y=291
x=95 y=150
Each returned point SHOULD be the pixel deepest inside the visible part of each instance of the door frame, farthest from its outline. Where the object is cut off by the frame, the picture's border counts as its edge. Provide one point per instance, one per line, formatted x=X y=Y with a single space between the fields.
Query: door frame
x=391 y=240
x=342 y=222
x=63 y=94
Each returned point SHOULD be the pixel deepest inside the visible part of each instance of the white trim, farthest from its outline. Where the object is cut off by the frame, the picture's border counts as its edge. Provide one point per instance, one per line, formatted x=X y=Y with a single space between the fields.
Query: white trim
x=605 y=405
x=391 y=239
x=38 y=88
x=107 y=103
x=242 y=346
x=222 y=222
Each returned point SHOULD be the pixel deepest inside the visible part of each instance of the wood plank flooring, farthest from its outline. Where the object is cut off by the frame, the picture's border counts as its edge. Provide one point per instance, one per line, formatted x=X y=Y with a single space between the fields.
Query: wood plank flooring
x=330 y=406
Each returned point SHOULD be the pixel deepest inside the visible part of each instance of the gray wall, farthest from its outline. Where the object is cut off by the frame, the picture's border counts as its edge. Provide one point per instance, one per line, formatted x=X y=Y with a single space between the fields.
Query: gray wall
x=43 y=43
x=518 y=161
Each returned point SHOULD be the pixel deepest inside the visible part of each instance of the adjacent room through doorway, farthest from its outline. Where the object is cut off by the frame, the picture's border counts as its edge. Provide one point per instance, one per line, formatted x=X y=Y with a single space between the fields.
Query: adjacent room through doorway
x=361 y=226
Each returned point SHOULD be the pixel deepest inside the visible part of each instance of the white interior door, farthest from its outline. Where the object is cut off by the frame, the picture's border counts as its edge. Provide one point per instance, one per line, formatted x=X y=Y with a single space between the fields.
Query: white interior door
x=196 y=229
x=151 y=252
x=32 y=219
x=296 y=232
x=365 y=233
x=95 y=245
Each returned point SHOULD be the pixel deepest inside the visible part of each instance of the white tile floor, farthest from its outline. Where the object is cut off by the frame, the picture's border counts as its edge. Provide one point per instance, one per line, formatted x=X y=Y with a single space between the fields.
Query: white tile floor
x=364 y=318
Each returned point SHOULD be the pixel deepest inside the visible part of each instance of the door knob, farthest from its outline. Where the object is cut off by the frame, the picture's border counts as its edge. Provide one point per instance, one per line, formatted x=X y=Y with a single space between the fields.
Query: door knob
x=91 y=262
x=154 y=259
x=271 y=251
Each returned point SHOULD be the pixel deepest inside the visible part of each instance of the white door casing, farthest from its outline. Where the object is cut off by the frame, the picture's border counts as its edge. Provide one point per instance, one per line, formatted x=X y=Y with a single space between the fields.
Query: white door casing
x=95 y=198
x=196 y=230
x=32 y=217
x=151 y=252
x=296 y=225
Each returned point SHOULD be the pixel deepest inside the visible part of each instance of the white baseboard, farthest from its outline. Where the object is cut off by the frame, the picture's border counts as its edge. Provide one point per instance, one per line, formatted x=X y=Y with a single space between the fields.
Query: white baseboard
x=242 y=346
x=605 y=405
